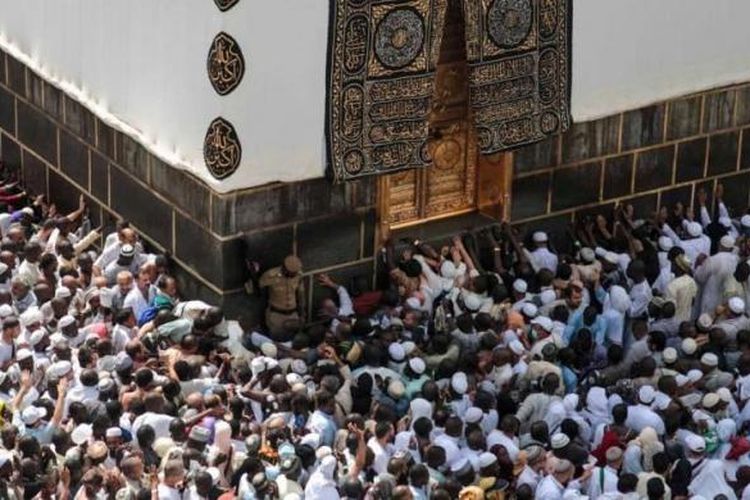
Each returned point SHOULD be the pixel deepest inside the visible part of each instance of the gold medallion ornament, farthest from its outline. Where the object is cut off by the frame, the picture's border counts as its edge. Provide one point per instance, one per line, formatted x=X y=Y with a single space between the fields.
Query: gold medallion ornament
x=222 y=151
x=225 y=5
x=382 y=64
x=225 y=64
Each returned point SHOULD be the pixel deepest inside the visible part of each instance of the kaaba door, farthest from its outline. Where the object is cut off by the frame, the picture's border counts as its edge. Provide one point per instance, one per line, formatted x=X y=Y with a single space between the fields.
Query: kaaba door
x=459 y=179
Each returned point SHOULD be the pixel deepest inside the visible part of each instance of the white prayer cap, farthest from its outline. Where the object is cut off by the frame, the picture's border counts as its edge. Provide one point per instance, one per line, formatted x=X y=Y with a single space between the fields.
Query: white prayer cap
x=124 y=361
x=114 y=432
x=727 y=242
x=710 y=400
x=665 y=243
x=413 y=303
x=5 y=311
x=459 y=464
x=299 y=367
x=736 y=305
x=396 y=389
x=745 y=221
x=669 y=355
x=681 y=380
x=66 y=321
x=695 y=443
x=547 y=296
x=105 y=297
x=23 y=354
x=486 y=459
x=417 y=365
x=724 y=394
x=710 y=359
x=614 y=453
x=473 y=415
x=3 y=268
x=725 y=221
x=59 y=369
x=312 y=440
x=544 y=322
x=127 y=250
x=619 y=298
x=611 y=257
x=563 y=466
x=472 y=302
x=694 y=375
x=646 y=394
x=516 y=346
x=396 y=352
x=520 y=286
x=587 y=255
x=559 y=440
x=694 y=229
x=448 y=269
x=30 y=316
x=258 y=365
x=540 y=237
x=529 y=310
x=62 y=292
x=293 y=378
x=408 y=346
x=33 y=414
x=705 y=321
x=689 y=346
x=81 y=434
x=459 y=383
x=37 y=336
x=5 y=457
x=269 y=349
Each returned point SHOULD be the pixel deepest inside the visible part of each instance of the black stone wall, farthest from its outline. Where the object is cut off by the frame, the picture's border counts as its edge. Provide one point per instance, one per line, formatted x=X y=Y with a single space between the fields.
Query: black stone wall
x=649 y=157
x=61 y=149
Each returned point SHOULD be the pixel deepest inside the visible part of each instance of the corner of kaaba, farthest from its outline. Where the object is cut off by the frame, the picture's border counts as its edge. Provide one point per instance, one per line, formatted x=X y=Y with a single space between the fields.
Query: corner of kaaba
x=416 y=249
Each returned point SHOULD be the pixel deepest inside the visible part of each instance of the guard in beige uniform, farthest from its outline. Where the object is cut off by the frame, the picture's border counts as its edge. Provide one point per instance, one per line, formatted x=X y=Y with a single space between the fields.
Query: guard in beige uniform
x=285 y=296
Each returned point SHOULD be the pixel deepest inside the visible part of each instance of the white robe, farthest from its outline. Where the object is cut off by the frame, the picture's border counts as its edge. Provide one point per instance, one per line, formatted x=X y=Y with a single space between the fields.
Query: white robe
x=712 y=277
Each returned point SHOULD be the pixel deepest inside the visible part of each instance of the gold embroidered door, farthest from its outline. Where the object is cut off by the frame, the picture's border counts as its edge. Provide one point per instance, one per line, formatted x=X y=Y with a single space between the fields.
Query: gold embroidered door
x=459 y=179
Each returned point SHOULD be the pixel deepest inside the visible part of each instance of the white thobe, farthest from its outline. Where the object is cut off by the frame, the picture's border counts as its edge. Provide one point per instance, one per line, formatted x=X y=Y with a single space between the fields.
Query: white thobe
x=712 y=275
x=641 y=416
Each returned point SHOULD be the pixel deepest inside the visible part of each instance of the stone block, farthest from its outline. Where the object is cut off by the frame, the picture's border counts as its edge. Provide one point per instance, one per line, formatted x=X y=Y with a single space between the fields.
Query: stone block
x=643 y=127
x=269 y=247
x=191 y=286
x=65 y=194
x=530 y=196
x=743 y=106
x=105 y=139
x=365 y=191
x=736 y=192
x=7 y=111
x=53 y=101
x=654 y=168
x=618 y=174
x=574 y=186
x=2 y=67
x=591 y=139
x=132 y=157
x=691 y=159
x=536 y=156
x=684 y=117
x=718 y=110
x=220 y=262
x=16 y=75
x=329 y=241
x=34 y=89
x=186 y=192
x=139 y=205
x=556 y=227
x=99 y=176
x=369 y=229
x=37 y=132
x=644 y=204
x=74 y=158
x=722 y=153
x=80 y=120
x=10 y=154
x=352 y=277
x=34 y=174
x=670 y=197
